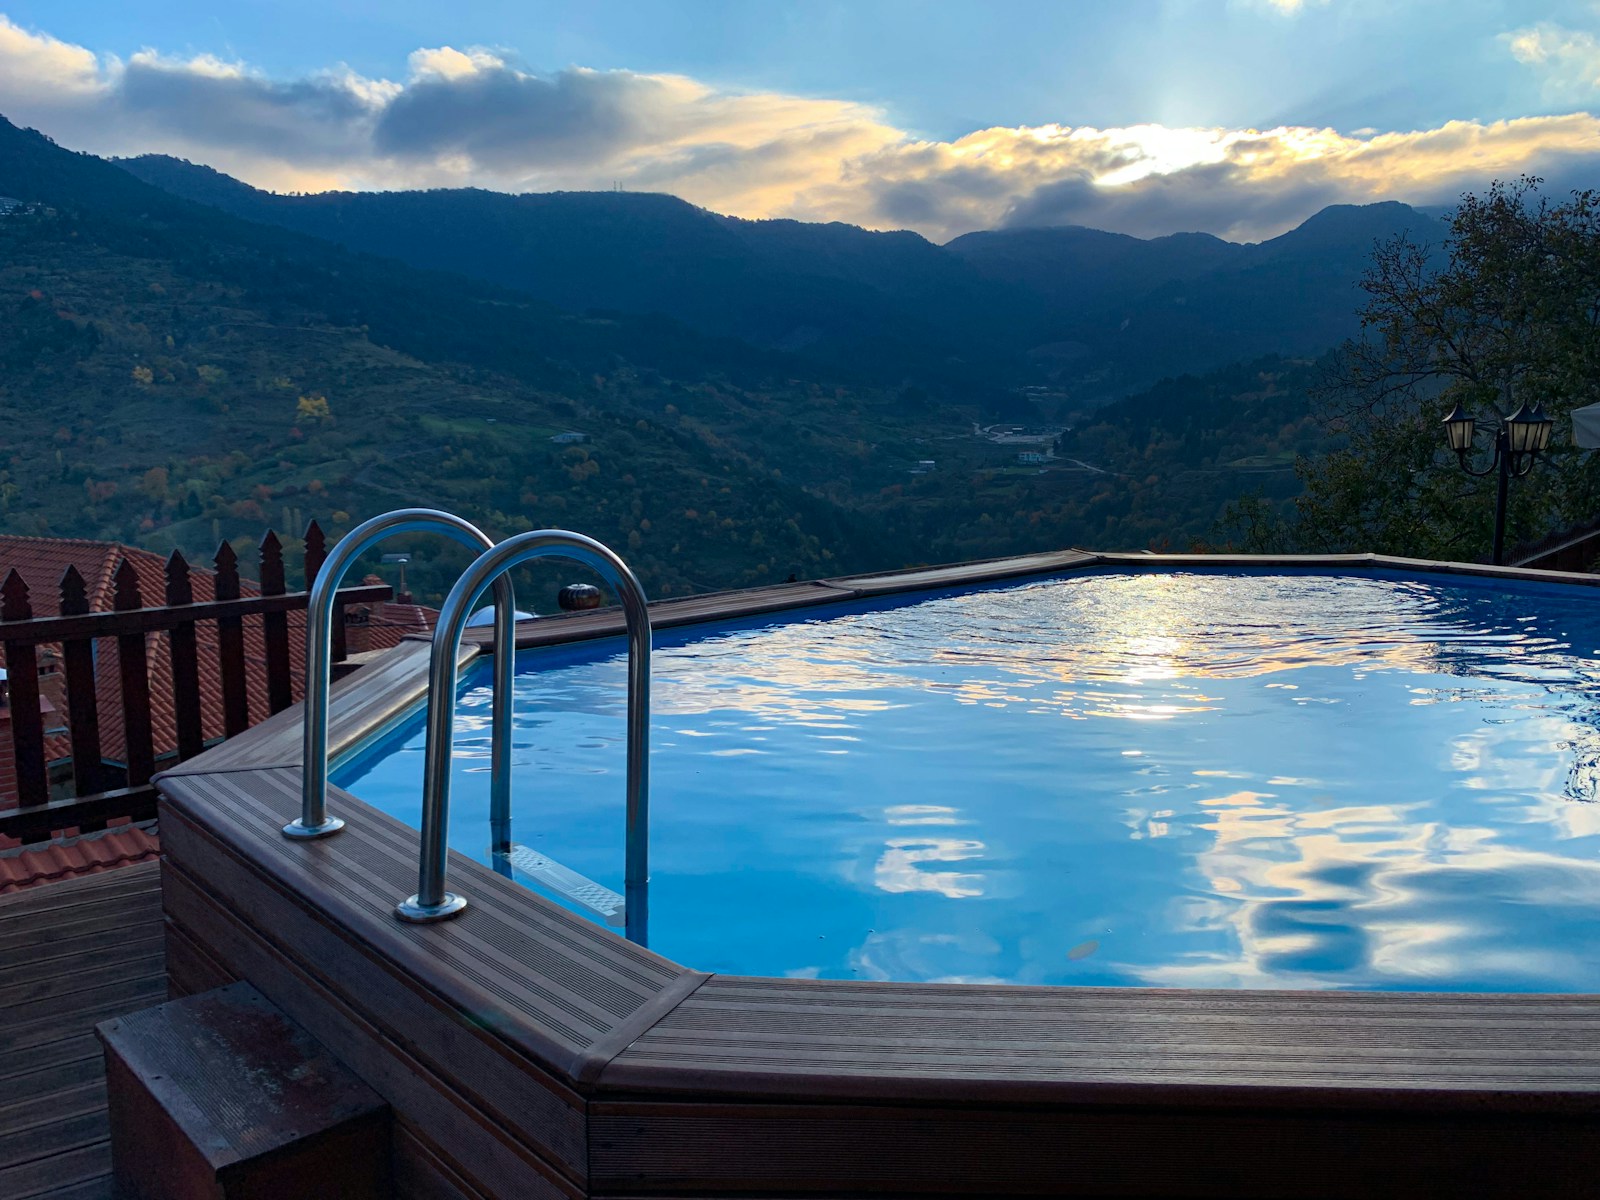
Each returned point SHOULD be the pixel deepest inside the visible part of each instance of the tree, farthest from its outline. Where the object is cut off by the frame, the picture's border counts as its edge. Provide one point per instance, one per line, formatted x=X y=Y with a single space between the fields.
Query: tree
x=154 y=484
x=1506 y=312
x=312 y=410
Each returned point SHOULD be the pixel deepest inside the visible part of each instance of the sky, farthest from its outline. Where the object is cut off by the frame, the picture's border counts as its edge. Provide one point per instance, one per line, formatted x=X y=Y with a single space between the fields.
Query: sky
x=1234 y=117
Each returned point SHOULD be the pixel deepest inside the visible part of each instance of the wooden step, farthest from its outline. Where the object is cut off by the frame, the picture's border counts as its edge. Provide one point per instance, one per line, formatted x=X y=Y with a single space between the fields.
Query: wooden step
x=220 y=1095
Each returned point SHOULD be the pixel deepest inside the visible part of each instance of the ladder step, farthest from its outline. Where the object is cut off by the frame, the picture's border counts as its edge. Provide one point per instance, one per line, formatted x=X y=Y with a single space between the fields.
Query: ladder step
x=544 y=872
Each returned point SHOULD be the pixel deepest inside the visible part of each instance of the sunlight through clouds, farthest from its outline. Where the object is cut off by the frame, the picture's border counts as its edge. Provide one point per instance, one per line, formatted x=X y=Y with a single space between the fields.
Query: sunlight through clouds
x=476 y=117
x=1288 y=8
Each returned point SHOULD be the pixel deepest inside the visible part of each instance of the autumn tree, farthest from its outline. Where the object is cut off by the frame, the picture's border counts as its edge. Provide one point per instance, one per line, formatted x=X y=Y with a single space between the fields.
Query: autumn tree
x=1505 y=313
x=312 y=410
x=154 y=484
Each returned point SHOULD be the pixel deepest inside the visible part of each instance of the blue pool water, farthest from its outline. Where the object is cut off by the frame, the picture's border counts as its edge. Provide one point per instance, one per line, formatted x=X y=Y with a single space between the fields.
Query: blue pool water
x=1195 y=779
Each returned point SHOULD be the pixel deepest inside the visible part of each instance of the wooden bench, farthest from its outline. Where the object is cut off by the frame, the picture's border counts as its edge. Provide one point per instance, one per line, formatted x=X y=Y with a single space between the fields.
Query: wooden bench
x=221 y=1096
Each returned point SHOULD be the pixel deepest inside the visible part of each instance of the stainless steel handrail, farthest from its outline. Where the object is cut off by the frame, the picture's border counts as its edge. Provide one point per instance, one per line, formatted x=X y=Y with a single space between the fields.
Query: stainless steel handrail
x=314 y=821
x=432 y=902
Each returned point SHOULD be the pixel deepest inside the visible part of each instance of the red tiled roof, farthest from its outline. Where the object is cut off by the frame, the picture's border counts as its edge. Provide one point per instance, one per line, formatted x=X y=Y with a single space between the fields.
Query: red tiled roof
x=67 y=858
x=383 y=626
x=42 y=561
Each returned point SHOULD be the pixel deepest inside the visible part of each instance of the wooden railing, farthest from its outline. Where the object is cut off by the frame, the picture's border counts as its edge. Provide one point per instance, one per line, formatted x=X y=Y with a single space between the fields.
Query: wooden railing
x=102 y=790
x=1572 y=549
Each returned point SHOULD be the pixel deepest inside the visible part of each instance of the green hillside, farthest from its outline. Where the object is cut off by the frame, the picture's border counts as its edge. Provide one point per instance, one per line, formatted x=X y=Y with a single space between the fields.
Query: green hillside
x=165 y=369
x=170 y=374
x=1099 y=315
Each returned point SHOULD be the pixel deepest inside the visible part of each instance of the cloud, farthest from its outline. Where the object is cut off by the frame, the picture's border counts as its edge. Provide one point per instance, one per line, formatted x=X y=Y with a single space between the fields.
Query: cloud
x=1569 y=60
x=35 y=60
x=322 y=120
x=477 y=116
x=474 y=105
x=1149 y=180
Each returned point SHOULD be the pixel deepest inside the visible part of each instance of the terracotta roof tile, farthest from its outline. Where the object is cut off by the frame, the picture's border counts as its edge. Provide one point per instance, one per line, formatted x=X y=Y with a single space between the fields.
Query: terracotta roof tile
x=67 y=858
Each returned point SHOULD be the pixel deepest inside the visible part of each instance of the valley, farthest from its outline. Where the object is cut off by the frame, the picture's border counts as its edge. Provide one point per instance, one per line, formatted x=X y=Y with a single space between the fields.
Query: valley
x=190 y=364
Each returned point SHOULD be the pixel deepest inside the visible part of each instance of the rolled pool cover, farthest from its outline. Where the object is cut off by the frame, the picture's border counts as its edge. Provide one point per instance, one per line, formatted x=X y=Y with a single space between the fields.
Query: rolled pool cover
x=1586 y=427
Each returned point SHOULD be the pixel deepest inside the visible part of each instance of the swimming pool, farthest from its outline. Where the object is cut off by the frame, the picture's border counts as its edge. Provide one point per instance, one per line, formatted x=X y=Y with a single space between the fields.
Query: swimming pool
x=1171 y=778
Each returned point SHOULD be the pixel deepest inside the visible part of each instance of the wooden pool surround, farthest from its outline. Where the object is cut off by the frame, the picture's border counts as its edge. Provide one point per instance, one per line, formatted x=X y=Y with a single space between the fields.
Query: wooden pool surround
x=527 y=1052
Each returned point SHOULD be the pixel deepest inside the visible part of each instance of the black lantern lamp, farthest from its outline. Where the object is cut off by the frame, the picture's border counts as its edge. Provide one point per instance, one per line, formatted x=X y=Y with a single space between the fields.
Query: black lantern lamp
x=1542 y=426
x=1522 y=428
x=1518 y=440
x=1459 y=427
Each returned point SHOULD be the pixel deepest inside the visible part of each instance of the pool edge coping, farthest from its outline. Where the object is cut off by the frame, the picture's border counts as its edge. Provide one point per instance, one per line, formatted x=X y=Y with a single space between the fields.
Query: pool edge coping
x=396 y=680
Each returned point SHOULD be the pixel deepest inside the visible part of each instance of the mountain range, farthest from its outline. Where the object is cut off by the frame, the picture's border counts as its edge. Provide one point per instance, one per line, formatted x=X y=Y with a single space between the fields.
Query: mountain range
x=1095 y=313
x=184 y=357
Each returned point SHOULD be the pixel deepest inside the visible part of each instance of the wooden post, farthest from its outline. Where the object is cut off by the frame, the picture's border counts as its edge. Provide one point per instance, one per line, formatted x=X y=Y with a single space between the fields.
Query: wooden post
x=275 y=626
x=230 y=647
x=184 y=645
x=83 y=705
x=22 y=679
x=316 y=555
x=135 y=671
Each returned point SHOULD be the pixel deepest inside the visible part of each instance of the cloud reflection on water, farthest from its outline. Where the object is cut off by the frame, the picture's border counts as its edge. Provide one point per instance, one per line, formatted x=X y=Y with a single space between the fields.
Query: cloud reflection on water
x=1218 y=779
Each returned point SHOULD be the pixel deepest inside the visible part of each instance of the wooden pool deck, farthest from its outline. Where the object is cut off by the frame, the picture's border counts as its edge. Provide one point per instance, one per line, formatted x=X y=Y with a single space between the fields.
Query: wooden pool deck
x=72 y=954
x=526 y=1052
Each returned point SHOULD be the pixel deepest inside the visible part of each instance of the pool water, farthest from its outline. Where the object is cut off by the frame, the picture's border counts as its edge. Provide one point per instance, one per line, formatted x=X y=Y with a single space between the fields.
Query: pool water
x=1186 y=779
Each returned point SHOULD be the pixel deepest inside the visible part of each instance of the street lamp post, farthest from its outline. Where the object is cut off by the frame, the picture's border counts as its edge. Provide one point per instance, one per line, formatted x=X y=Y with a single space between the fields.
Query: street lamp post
x=1518 y=440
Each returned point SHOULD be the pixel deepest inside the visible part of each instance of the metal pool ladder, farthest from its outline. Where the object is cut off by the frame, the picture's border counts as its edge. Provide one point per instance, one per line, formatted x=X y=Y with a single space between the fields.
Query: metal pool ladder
x=314 y=821
x=432 y=902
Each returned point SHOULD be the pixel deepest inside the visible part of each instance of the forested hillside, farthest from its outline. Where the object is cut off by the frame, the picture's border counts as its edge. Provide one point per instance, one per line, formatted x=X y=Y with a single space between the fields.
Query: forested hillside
x=1096 y=315
x=875 y=305
x=173 y=374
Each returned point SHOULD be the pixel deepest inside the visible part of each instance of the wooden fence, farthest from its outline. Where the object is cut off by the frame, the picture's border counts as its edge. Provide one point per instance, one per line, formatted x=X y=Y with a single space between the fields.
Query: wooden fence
x=102 y=790
x=1573 y=549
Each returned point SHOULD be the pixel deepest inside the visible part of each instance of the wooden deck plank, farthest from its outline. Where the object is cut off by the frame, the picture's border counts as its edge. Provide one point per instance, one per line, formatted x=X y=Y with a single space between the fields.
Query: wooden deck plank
x=68 y=1128
x=64 y=953
x=55 y=1025
x=75 y=953
x=87 y=921
x=87 y=892
x=62 y=1075
x=99 y=1188
x=1121 y=1045
x=61 y=1052
x=98 y=967
x=80 y=1166
x=965 y=574
x=389 y=686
